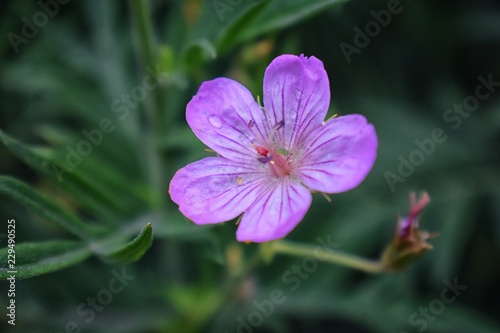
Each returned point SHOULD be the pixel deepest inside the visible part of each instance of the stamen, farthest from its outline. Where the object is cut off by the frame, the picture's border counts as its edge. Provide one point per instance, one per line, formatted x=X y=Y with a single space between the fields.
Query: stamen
x=274 y=129
x=239 y=180
x=279 y=125
x=326 y=197
x=208 y=150
x=324 y=122
x=258 y=101
x=260 y=105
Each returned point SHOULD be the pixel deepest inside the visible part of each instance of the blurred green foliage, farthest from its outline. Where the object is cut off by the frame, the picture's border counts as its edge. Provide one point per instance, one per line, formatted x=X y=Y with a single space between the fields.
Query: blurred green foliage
x=93 y=72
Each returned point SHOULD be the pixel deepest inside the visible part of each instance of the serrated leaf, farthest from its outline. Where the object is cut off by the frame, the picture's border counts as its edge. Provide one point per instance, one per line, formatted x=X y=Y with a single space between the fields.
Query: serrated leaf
x=45 y=208
x=33 y=259
x=133 y=250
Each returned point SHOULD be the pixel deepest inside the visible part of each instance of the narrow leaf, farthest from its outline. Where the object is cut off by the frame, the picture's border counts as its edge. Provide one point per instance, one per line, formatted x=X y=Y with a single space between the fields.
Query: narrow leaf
x=88 y=193
x=267 y=16
x=45 y=208
x=133 y=250
x=33 y=259
x=290 y=13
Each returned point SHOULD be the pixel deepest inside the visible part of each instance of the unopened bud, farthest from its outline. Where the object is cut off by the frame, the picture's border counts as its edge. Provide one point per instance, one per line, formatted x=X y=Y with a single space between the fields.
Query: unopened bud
x=409 y=242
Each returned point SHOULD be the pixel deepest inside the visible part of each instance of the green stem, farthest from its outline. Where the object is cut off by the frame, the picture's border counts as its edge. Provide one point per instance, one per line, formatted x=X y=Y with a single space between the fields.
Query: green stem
x=330 y=255
x=147 y=51
x=142 y=17
x=153 y=162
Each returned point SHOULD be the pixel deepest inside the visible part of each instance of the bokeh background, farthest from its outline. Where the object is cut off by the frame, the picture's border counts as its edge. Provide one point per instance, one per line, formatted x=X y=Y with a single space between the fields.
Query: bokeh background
x=78 y=68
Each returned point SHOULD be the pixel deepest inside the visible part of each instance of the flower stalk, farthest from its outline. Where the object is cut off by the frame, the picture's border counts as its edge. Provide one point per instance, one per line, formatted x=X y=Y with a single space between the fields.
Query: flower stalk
x=409 y=242
x=330 y=256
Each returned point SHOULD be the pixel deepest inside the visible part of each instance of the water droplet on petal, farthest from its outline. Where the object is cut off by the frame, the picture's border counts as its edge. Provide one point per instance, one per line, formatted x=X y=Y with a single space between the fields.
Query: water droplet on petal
x=277 y=89
x=215 y=121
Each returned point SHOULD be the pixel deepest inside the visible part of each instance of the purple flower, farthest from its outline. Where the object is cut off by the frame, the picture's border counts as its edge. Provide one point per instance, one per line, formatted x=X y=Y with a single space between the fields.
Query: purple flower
x=270 y=158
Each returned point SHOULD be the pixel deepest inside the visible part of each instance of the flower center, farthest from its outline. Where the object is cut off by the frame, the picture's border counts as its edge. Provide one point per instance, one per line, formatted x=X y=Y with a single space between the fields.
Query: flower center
x=278 y=160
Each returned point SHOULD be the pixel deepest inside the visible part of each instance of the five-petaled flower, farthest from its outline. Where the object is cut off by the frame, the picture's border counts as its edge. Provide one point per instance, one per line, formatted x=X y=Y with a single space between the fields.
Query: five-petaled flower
x=269 y=159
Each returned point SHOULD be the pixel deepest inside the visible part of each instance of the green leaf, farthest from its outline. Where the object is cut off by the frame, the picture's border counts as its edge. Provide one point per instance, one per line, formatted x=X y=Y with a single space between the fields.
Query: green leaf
x=134 y=250
x=92 y=195
x=267 y=16
x=45 y=208
x=229 y=36
x=33 y=259
x=131 y=192
x=226 y=25
x=289 y=13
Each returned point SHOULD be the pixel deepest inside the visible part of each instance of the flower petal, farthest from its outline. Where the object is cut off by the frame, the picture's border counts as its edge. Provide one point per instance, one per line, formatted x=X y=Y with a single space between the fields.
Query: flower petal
x=339 y=154
x=215 y=189
x=278 y=210
x=225 y=117
x=297 y=92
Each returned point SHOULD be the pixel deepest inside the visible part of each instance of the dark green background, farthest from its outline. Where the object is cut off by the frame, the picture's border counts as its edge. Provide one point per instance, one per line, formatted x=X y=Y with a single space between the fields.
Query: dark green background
x=428 y=58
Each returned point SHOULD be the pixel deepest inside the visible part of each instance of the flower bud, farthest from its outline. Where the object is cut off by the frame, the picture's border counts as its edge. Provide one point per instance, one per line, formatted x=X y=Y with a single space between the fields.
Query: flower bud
x=409 y=242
